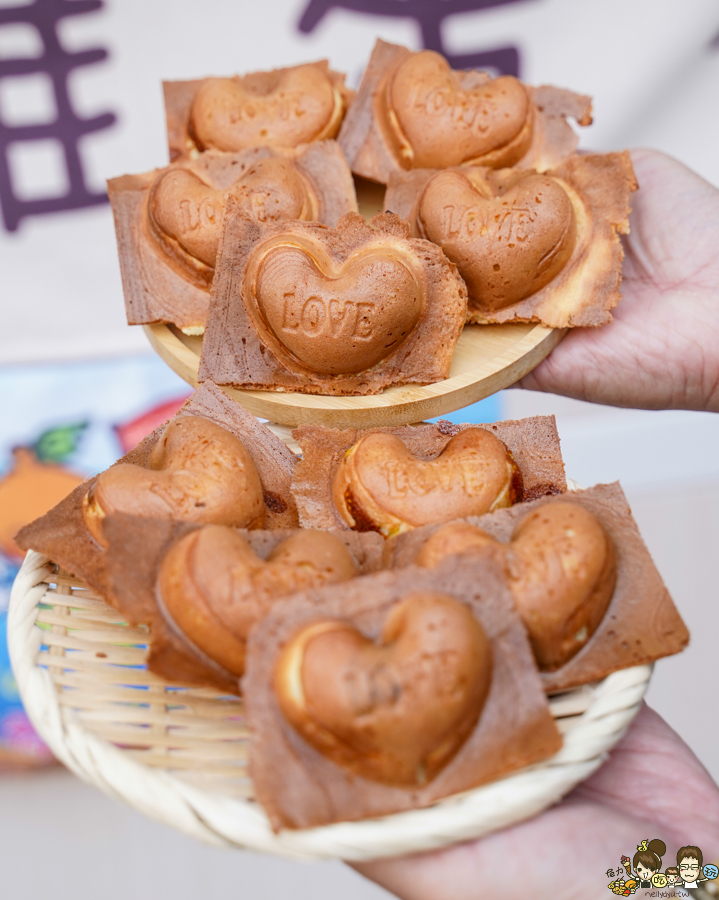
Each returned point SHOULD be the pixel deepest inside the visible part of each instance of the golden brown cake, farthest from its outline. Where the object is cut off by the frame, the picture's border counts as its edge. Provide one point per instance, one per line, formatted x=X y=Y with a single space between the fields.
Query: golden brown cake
x=565 y=573
x=561 y=566
x=347 y=310
x=531 y=247
x=197 y=471
x=62 y=533
x=390 y=692
x=381 y=486
x=413 y=111
x=282 y=108
x=532 y=444
x=200 y=589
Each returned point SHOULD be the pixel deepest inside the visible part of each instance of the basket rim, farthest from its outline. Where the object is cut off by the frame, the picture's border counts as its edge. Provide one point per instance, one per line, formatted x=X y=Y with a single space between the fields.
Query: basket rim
x=229 y=821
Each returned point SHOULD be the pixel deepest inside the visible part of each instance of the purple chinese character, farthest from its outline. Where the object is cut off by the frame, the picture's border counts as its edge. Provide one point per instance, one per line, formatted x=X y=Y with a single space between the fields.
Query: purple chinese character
x=429 y=15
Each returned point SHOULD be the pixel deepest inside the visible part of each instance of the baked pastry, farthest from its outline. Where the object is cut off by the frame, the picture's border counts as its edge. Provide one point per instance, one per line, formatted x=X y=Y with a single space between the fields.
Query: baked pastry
x=562 y=571
x=400 y=477
x=214 y=587
x=327 y=680
x=265 y=463
x=168 y=222
x=347 y=310
x=196 y=472
x=390 y=692
x=530 y=247
x=281 y=108
x=413 y=111
x=582 y=578
x=200 y=589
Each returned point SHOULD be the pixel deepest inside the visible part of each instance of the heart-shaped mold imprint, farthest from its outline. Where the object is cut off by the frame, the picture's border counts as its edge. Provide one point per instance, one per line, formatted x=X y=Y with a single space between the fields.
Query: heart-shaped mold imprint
x=396 y=710
x=214 y=586
x=336 y=320
x=509 y=234
x=381 y=486
x=562 y=571
x=186 y=214
x=197 y=472
x=435 y=123
x=282 y=109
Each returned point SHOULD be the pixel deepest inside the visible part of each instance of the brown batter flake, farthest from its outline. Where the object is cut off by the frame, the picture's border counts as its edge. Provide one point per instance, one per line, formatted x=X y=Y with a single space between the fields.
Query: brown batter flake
x=164 y=216
x=136 y=549
x=531 y=248
x=299 y=787
x=335 y=311
x=379 y=138
x=641 y=624
x=533 y=443
x=61 y=533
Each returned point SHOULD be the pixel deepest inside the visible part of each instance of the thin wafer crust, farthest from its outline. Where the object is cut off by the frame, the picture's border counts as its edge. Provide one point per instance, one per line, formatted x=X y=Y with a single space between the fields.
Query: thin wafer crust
x=135 y=552
x=587 y=288
x=61 y=533
x=533 y=442
x=300 y=788
x=641 y=624
x=156 y=287
x=369 y=149
x=241 y=350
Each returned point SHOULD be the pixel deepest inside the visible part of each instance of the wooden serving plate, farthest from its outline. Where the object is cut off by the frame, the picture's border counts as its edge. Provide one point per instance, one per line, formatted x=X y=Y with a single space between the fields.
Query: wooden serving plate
x=487 y=359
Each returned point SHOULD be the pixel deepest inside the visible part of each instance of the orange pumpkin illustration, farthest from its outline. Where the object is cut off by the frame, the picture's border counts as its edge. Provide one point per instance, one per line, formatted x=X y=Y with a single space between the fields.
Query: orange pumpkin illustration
x=29 y=489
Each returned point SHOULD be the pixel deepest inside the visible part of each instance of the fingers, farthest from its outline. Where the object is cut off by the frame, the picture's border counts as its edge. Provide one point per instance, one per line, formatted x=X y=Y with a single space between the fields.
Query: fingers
x=652 y=785
x=661 y=351
x=595 y=365
x=653 y=773
x=560 y=855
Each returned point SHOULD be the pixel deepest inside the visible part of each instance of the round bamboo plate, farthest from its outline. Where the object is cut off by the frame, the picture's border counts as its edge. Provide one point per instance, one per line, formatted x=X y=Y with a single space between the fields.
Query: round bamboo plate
x=487 y=359
x=179 y=754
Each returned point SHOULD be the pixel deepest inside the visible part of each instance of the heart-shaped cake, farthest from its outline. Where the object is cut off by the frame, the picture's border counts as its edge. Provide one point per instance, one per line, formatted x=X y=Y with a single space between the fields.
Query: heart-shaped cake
x=186 y=214
x=561 y=566
x=435 y=123
x=298 y=306
x=381 y=486
x=282 y=109
x=337 y=320
x=396 y=710
x=214 y=586
x=509 y=234
x=197 y=472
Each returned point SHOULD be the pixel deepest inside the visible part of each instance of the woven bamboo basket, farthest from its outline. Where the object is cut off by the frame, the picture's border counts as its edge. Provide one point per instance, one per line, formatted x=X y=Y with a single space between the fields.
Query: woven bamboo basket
x=179 y=754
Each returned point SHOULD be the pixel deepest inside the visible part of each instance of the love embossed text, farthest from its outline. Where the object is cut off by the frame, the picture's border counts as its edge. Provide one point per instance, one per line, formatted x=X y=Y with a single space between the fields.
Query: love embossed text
x=336 y=322
x=383 y=684
x=456 y=474
x=513 y=223
x=207 y=212
x=204 y=213
x=319 y=316
x=465 y=108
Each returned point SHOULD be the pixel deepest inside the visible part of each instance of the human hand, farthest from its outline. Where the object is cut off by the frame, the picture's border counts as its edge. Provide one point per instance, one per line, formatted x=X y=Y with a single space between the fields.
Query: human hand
x=652 y=786
x=661 y=351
